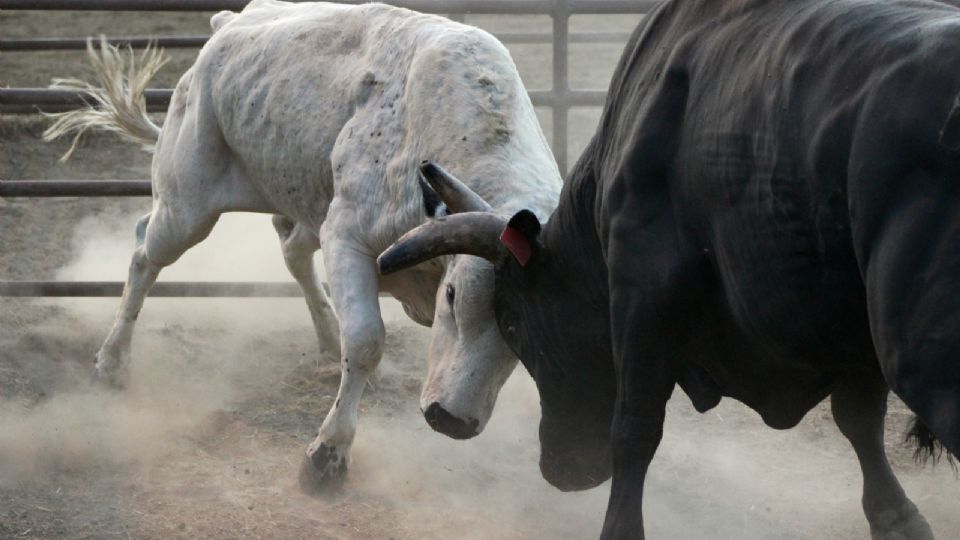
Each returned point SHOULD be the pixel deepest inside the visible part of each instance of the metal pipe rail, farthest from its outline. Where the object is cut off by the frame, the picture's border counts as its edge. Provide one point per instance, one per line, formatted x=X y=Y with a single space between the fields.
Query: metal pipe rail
x=487 y=7
x=161 y=289
x=30 y=100
x=426 y=6
x=186 y=42
x=166 y=289
x=74 y=188
x=72 y=44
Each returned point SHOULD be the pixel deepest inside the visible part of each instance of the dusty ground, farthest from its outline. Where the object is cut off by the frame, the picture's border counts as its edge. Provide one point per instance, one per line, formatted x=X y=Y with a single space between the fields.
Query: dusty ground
x=226 y=393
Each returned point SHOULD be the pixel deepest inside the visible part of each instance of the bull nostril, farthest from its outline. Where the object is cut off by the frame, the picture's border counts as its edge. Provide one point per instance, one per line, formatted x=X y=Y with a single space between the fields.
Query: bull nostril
x=448 y=424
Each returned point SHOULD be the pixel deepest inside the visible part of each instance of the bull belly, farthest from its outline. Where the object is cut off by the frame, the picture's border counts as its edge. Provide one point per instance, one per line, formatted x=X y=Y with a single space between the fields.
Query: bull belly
x=807 y=318
x=767 y=365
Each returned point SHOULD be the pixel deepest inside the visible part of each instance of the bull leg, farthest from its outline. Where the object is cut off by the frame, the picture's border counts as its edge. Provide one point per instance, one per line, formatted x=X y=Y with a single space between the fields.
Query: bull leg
x=354 y=287
x=635 y=435
x=652 y=290
x=299 y=245
x=162 y=237
x=859 y=406
x=909 y=254
x=643 y=359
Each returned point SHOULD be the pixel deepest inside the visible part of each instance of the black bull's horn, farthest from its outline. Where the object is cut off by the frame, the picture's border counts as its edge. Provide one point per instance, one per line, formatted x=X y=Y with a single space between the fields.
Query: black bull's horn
x=471 y=233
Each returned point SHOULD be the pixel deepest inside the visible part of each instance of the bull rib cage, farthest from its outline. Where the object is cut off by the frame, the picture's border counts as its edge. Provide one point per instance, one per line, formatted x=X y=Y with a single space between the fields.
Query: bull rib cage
x=560 y=98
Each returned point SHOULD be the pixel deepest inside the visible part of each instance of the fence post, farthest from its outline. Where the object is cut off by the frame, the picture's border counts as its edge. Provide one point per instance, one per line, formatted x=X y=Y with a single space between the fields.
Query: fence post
x=561 y=83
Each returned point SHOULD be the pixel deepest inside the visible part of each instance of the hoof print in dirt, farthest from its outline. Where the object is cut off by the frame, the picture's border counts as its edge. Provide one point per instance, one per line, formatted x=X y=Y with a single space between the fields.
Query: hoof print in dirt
x=323 y=472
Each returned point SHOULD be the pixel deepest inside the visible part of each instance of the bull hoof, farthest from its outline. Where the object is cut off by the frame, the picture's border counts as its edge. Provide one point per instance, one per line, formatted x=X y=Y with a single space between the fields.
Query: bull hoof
x=905 y=523
x=114 y=379
x=324 y=472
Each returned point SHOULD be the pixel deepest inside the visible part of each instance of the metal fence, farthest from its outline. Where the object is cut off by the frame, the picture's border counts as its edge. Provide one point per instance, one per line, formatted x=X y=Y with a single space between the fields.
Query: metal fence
x=560 y=98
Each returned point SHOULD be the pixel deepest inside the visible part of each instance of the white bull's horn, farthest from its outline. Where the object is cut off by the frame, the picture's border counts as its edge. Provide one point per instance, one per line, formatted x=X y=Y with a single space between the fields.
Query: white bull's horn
x=454 y=193
x=471 y=233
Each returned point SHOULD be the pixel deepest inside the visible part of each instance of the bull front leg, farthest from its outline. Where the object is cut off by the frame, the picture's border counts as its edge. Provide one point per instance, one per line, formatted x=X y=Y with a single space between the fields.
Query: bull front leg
x=637 y=430
x=354 y=287
x=645 y=379
x=654 y=295
x=859 y=406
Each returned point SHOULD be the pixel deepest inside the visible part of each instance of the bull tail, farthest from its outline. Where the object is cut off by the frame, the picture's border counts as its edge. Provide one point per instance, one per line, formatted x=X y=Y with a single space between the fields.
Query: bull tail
x=118 y=104
x=928 y=446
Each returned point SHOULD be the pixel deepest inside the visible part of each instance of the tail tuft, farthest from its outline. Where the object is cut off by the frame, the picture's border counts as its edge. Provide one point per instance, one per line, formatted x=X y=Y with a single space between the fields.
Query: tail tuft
x=928 y=446
x=119 y=104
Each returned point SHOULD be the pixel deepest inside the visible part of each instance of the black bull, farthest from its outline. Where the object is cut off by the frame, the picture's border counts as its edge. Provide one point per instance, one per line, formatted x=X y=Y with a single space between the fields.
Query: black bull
x=770 y=211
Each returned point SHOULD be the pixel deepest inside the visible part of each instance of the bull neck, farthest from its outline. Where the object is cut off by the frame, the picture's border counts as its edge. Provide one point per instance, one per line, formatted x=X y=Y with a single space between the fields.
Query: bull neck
x=570 y=235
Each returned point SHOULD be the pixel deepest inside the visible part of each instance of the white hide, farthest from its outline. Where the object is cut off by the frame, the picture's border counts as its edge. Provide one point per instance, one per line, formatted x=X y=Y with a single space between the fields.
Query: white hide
x=320 y=113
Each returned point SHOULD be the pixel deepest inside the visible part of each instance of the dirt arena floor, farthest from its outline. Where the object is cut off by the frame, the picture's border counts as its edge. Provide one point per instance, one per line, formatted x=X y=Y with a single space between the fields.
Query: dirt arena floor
x=225 y=394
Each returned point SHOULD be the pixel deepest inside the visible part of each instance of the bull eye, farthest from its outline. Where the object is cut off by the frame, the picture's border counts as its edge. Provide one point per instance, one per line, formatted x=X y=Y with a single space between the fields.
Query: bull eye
x=451 y=293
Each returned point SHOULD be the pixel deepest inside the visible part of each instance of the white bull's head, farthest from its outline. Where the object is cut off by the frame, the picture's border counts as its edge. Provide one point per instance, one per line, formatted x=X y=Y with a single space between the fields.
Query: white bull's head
x=468 y=359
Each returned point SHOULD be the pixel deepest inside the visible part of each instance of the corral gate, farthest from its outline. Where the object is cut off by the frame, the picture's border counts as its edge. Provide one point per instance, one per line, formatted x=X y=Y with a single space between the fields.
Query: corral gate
x=560 y=98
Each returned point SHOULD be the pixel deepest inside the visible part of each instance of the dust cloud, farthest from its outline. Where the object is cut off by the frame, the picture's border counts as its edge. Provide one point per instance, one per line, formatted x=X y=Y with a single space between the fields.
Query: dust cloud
x=225 y=394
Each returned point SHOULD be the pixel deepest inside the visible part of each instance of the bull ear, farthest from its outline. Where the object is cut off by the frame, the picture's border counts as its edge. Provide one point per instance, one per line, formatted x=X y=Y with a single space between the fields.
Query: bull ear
x=454 y=193
x=470 y=233
x=520 y=236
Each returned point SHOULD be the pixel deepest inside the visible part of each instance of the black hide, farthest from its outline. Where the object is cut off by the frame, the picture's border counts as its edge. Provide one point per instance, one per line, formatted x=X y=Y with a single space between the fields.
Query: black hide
x=770 y=210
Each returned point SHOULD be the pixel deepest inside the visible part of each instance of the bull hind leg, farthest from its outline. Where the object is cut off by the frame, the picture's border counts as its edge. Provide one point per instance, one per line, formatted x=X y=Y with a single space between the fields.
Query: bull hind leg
x=162 y=236
x=299 y=245
x=354 y=288
x=859 y=406
x=904 y=217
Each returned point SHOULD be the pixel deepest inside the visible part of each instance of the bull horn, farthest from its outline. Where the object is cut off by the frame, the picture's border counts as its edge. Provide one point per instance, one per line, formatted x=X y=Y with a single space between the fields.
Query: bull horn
x=471 y=233
x=454 y=193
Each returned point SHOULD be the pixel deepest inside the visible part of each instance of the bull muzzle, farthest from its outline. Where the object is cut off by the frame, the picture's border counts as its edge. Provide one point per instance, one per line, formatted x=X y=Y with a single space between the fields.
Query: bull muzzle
x=443 y=422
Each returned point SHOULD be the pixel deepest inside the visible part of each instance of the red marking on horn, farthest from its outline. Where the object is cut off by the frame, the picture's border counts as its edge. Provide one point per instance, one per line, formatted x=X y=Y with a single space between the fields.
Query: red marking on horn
x=517 y=243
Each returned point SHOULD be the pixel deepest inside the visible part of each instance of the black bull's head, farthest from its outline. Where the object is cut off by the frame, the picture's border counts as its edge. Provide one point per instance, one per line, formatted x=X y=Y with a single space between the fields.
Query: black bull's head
x=537 y=320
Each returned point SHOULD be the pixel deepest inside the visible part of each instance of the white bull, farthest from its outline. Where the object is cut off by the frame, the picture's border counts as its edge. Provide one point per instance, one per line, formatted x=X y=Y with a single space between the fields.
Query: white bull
x=319 y=114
